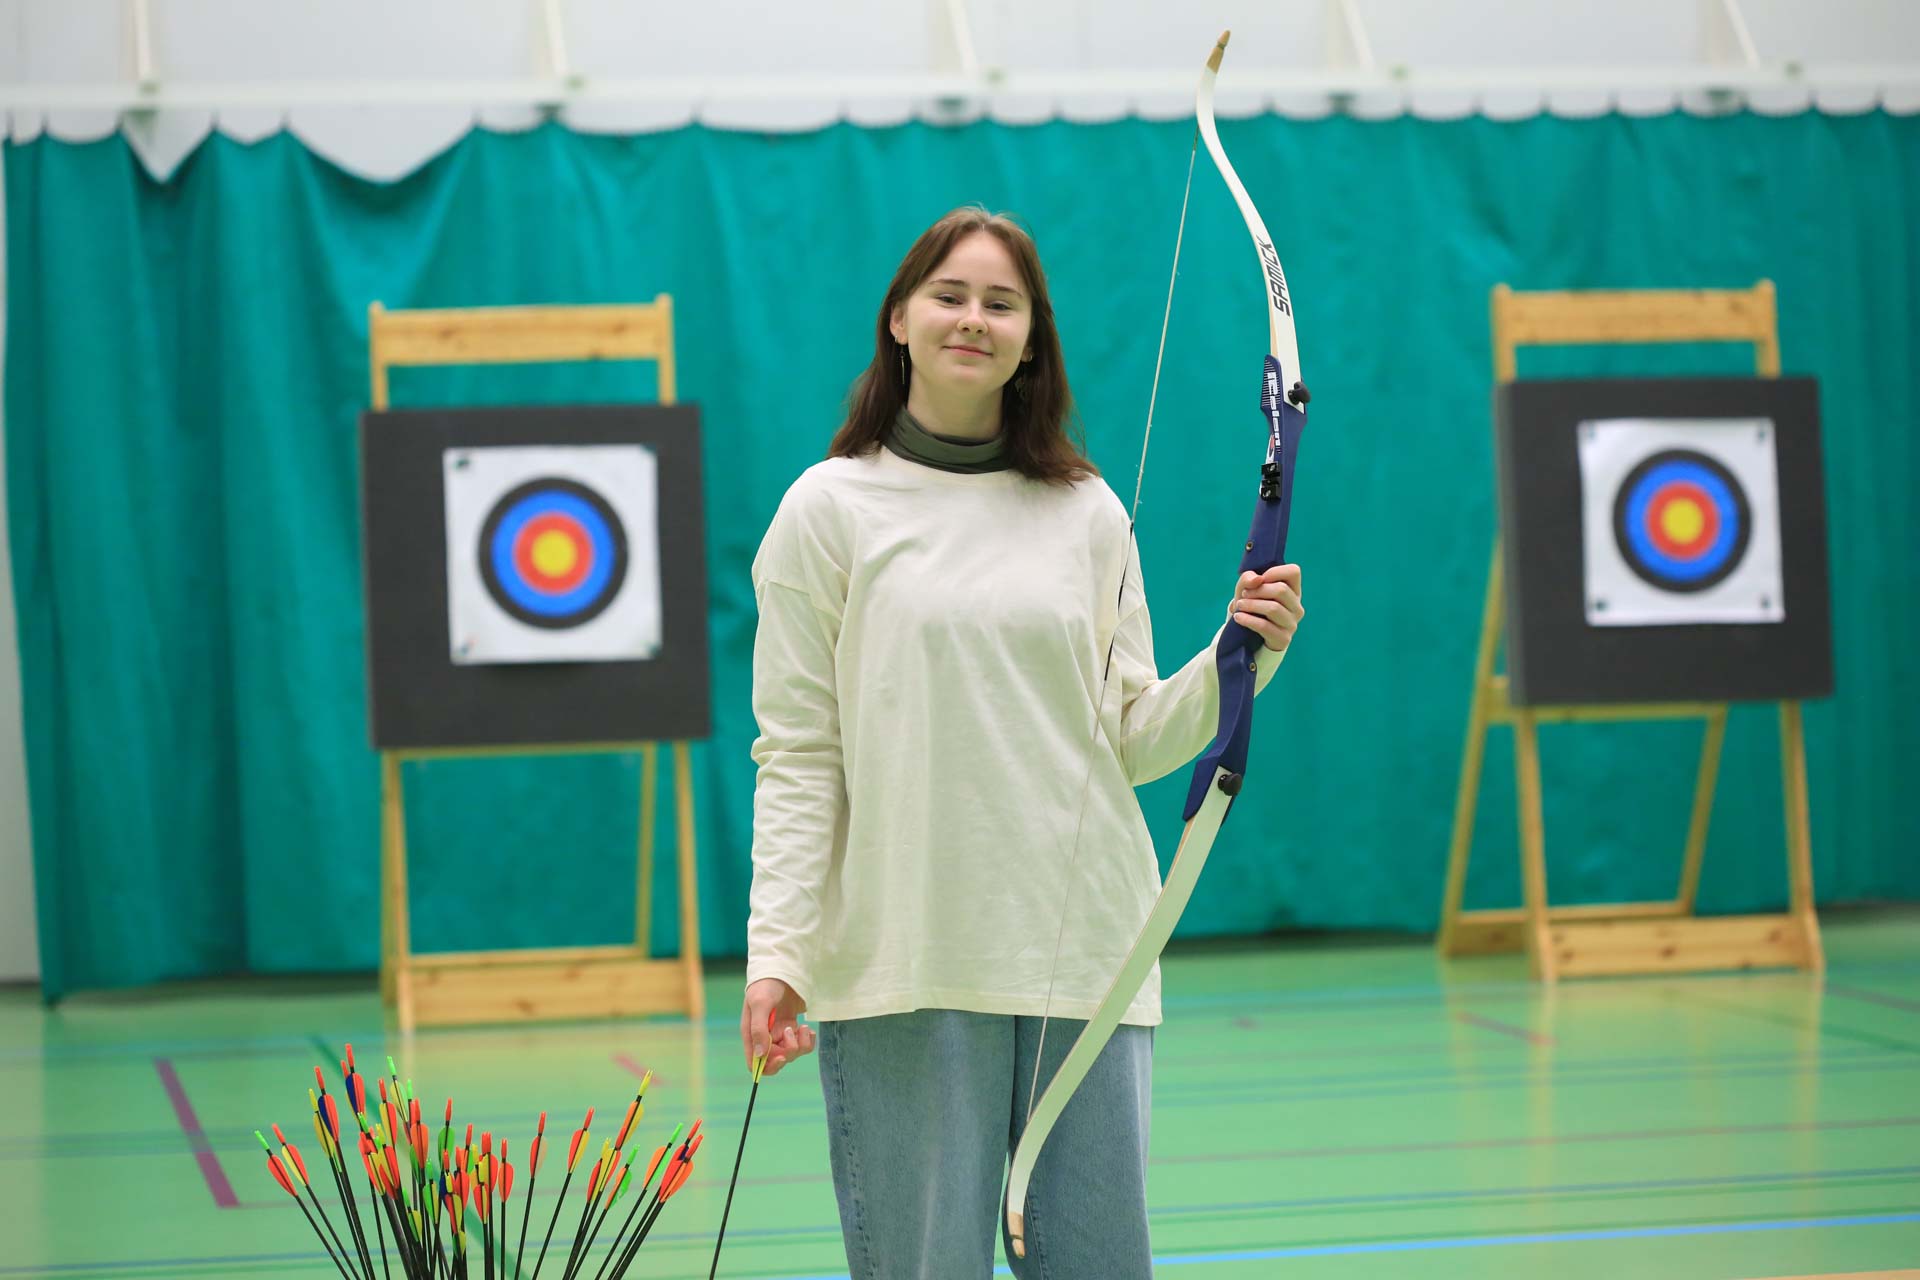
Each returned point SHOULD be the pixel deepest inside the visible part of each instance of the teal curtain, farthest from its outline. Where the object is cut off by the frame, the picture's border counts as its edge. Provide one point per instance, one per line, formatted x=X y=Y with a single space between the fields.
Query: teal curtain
x=186 y=360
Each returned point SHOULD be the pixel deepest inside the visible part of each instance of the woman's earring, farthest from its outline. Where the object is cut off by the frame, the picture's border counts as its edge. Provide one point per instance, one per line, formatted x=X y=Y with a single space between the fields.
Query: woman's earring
x=902 y=348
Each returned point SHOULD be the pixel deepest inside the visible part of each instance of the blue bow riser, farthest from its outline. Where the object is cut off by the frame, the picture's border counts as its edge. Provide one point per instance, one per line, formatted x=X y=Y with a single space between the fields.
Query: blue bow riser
x=1235 y=655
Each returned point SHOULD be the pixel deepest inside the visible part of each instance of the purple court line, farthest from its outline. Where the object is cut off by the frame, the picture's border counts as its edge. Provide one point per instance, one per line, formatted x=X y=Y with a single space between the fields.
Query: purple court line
x=1503 y=1028
x=196 y=1136
x=628 y=1065
x=1874 y=997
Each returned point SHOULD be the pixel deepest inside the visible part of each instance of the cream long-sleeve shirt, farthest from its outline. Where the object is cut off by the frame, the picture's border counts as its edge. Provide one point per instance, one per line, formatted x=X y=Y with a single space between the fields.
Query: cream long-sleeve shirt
x=925 y=670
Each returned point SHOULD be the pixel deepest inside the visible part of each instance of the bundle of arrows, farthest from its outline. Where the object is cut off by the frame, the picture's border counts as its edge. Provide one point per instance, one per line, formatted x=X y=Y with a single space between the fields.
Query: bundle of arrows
x=431 y=1208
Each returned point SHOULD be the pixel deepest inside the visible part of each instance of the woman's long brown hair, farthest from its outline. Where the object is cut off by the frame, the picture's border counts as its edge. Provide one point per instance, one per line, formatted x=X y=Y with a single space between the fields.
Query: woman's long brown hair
x=1036 y=408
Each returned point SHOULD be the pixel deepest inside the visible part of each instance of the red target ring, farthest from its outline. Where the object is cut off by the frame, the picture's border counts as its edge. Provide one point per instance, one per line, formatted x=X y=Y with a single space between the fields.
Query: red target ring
x=1682 y=503
x=533 y=547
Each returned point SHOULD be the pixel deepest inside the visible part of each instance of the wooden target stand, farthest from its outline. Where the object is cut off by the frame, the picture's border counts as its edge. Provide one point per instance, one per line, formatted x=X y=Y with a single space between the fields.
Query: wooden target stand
x=1636 y=937
x=526 y=985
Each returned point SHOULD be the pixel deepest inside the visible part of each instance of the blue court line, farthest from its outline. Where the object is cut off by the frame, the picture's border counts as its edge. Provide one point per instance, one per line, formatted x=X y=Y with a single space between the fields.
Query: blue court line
x=1542 y=1237
x=1185 y=1259
x=1789 y=1177
x=1874 y=997
x=1485 y=1242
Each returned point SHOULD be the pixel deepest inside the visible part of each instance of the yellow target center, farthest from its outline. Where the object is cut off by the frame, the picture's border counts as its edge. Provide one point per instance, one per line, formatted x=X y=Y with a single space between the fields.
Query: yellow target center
x=554 y=554
x=1682 y=521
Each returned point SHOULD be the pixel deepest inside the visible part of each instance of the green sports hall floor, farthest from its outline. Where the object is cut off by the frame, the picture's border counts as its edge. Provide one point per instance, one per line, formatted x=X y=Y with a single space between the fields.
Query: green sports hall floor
x=1320 y=1110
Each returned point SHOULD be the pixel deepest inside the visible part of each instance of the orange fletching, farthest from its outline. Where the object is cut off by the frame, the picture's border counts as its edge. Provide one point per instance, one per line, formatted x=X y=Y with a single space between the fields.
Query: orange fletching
x=653 y=1166
x=678 y=1180
x=573 y=1148
x=280 y=1176
x=616 y=1175
x=299 y=1164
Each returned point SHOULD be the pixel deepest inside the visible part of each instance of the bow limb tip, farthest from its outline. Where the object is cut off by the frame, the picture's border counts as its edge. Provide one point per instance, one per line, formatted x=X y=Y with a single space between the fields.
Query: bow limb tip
x=1220 y=48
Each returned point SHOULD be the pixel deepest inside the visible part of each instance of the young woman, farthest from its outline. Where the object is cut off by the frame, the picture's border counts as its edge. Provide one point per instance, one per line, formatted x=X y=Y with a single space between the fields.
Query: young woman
x=944 y=847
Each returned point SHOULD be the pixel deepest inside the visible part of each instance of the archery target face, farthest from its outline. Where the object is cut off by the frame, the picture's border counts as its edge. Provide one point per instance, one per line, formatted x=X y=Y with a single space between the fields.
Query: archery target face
x=552 y=554
x=1680 y=521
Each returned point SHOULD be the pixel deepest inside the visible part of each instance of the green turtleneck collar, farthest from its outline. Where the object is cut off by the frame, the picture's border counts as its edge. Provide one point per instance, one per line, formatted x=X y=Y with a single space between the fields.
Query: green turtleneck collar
x=945 y=453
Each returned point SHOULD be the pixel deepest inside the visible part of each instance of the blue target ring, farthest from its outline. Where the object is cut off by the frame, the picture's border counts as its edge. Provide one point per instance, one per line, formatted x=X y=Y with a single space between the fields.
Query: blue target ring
x=1712 y=536
x=589 y=535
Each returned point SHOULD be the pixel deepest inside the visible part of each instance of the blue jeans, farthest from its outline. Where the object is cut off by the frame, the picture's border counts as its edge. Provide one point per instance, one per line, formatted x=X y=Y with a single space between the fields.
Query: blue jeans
x=924 y=1110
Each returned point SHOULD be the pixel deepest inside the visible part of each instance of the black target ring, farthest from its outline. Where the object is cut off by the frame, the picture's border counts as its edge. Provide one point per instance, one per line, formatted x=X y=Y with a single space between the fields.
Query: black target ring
x=590 y=527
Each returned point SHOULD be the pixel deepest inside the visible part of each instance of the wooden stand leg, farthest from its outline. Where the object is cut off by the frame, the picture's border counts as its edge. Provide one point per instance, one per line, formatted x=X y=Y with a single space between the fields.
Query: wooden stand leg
x=689 y=884
x=1466 y=799
x=1793 y=778
x=649 y=811
x=389 y=960
x=1703 y=786
x=1533 y=840
x=397 y=967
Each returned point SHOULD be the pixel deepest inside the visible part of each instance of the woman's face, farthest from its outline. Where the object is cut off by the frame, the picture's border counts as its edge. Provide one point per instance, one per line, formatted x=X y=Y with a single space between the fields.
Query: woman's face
x=966 y=326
